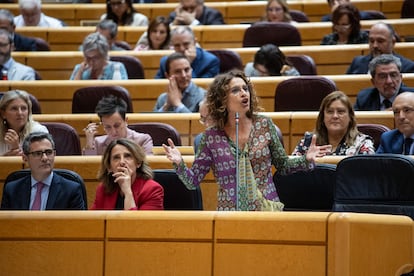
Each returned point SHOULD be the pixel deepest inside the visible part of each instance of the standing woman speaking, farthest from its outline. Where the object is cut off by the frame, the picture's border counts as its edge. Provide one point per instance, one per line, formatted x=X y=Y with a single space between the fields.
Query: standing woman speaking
x=233 y=110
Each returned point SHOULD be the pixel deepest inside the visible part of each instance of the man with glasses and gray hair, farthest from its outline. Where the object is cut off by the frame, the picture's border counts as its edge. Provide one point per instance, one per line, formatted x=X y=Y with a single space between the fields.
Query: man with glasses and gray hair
x=42 y=189
x=31 y=15
x=386 y=77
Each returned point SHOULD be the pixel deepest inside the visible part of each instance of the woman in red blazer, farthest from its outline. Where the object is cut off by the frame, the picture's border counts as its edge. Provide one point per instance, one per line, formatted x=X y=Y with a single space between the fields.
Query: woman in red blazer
x=126 y=180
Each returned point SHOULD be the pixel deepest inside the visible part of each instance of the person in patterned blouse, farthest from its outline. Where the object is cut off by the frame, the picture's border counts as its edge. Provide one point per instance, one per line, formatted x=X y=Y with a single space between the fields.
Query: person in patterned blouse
x=237 y=129
x=336 y=127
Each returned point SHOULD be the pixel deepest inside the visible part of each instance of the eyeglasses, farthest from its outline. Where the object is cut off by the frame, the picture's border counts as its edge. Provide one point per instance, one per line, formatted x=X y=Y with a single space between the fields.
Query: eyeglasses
x=39 y=153
x=117 y=3
x=384 y=76
x=342 y=27
x=274 y=9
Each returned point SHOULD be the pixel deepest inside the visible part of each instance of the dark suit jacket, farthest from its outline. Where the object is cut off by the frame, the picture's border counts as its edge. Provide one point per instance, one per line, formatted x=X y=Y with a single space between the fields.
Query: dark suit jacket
x=209 y=16
x=391 y=142
x=63 y=194
x=205 y=65
x=359 y=65
x=23 y=43
x=369 y=99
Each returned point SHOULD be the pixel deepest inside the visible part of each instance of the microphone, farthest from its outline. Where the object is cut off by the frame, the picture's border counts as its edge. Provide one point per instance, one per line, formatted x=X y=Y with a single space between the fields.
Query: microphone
x=237 y=160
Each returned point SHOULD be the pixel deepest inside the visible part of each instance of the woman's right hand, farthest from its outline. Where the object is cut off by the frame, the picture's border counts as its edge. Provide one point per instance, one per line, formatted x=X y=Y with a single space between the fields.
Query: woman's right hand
x=172 y=153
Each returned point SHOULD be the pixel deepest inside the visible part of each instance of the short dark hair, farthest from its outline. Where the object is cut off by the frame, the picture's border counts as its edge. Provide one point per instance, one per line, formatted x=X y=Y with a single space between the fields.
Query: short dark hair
x=35 y=137
x=109 y=105
x=172 y=57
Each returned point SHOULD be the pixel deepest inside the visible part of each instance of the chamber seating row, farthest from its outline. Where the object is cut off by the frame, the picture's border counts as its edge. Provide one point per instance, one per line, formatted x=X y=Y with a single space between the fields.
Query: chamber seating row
x=217 y=243
x=209 y=37
x=58 y=65
x=55 y=97
x=234 y=12
x=293 y=125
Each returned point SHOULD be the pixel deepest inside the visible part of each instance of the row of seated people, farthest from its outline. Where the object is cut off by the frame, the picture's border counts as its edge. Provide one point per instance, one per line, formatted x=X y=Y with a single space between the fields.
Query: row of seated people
x=192 y=12
x=207 y=64
x=334 y=113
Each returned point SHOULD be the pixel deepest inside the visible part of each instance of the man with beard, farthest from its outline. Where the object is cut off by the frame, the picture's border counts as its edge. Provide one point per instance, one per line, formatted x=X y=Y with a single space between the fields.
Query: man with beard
x=10 y=69
x=43 y=189
x=400 y=140
x=382 y=39
x=182 y=96
x=387 y=80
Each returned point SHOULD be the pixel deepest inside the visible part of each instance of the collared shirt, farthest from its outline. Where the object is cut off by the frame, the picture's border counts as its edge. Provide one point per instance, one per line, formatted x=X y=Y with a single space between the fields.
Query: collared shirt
x=45 y=191
x=382 y=98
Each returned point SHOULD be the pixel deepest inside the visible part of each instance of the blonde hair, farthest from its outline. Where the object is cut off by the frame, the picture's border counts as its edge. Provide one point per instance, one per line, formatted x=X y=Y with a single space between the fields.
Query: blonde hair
x=7 y=98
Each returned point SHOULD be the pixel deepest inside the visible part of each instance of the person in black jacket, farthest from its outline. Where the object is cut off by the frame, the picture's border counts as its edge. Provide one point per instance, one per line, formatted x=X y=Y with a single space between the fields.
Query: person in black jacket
x=194 y=12
x=21 y=43
x=386 y=77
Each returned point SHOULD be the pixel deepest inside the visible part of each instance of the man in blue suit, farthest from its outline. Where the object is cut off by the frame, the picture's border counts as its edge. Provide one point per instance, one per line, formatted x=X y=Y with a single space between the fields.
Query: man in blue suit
x=387 y=81
x=381 y=41
x=400 y=140
x=43 y=189
x=203 y=63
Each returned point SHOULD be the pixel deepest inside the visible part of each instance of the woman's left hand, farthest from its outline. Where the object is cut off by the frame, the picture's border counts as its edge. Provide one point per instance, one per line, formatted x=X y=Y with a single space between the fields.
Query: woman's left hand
x=123 y=178
x=315 y=151
x=11 y=138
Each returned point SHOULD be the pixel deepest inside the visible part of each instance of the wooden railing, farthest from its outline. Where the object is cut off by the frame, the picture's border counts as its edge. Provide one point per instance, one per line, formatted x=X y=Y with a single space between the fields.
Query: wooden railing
x=217 y=243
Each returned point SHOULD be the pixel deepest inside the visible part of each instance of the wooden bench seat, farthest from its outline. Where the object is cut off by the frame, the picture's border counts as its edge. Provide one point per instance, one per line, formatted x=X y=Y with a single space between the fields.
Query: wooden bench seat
x=234 y=12
x=58 y=65
x=209 y=37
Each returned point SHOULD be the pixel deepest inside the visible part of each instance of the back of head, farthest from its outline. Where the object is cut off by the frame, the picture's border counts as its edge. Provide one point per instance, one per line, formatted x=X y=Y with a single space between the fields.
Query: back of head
x=110 y=105
x=30 y=4
x=110 y=25
x=96 y=41
x=270 y=56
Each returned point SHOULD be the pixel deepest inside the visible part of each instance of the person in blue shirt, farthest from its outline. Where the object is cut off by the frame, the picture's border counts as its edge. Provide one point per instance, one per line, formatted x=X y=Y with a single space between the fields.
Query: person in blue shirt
x=204 y=64
x=182 y=96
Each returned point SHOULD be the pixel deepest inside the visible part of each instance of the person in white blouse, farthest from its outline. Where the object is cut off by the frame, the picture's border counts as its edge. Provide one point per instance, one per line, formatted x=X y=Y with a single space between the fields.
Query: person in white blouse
x=31 y=15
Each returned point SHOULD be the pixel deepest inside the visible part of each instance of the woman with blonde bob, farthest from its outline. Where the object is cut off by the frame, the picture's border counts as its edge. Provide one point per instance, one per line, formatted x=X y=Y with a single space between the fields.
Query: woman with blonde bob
x=16 y=112
x=127 y=180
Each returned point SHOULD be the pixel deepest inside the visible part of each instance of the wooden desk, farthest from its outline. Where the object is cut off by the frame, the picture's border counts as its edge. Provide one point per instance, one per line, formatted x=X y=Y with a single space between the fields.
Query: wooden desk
x=218 y=243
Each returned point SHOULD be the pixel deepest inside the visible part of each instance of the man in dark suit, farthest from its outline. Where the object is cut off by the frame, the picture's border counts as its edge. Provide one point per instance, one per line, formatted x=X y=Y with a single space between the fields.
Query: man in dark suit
x=400 y=140
x=387 y=81
x=21 y=43
x=194 y=12
x=43 y=189
x=203 y=63
x=382 y=39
